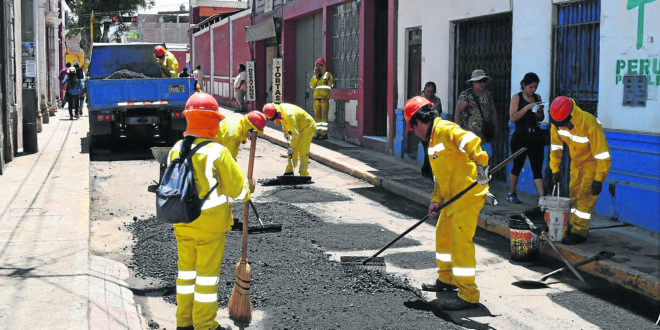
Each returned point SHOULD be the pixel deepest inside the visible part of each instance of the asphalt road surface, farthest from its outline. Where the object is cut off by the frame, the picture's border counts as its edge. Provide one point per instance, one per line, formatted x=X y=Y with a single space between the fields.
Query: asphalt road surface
x=298 y=280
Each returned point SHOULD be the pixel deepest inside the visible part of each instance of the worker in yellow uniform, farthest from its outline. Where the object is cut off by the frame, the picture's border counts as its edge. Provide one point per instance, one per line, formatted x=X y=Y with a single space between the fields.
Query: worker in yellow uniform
x=322 y=82
x=201 y=243
x=590 y=162
x=298 y=127
x=235 y=130
x=457 y=161
x=169 y=66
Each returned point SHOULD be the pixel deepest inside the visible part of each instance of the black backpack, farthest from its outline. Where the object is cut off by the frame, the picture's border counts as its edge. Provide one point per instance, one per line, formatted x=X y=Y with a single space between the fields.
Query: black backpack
x=177 y=200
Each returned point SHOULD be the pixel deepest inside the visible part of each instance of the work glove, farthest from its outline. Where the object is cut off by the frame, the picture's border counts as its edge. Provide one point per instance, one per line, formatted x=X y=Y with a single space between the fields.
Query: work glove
x=596 y=187
x=251 y=184
x=482 y=175
x=290 y=152
x=556 y=177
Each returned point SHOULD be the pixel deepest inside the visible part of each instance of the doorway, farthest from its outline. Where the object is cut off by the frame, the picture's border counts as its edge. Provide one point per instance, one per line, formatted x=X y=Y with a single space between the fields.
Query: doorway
x=414 y=79
x=309 y=47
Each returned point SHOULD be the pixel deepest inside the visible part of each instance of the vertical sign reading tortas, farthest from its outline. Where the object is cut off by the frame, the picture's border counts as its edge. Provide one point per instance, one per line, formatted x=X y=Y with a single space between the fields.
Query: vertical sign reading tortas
x=277 y=80
x=251 y=88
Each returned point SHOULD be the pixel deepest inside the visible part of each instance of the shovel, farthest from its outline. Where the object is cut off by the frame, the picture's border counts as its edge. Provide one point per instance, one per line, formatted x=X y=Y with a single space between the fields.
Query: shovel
x=293 y=179
x=540 y=283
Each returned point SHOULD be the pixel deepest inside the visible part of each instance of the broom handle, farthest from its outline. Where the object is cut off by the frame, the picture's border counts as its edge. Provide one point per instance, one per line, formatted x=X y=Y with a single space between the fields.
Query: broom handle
x=443 y=205
x=246 y=206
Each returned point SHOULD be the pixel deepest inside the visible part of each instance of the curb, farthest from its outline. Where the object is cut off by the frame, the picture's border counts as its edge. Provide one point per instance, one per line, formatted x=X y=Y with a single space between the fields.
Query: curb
x=626 y=277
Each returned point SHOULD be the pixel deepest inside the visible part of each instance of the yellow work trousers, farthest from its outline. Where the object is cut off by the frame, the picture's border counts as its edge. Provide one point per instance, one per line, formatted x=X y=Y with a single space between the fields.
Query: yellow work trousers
x=582 y=201
x=199 y=265
x=321 y=115
x=454 y=247
x=301 y=151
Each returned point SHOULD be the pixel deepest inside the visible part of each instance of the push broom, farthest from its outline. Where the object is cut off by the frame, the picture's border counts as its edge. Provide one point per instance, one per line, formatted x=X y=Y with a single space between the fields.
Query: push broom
x=378 y=264
x=240 y=306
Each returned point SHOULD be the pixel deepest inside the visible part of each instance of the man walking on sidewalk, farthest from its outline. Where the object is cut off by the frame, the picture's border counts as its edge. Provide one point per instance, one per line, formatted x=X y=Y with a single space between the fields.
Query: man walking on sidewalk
x=457 y=161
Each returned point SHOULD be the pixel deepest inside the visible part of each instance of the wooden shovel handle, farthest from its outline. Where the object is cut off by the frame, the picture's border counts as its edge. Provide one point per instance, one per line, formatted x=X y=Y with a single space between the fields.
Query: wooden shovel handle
x=246 y=206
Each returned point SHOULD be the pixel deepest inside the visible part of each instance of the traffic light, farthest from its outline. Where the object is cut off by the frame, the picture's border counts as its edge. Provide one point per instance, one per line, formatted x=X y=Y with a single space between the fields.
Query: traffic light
x=124 y=19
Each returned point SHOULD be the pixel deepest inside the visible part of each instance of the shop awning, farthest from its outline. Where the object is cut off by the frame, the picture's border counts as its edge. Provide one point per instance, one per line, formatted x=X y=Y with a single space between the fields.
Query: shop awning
x=260 y=31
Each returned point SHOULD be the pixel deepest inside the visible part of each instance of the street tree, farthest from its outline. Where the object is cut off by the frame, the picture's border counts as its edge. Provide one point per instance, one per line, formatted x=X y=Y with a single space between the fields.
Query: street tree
x=101 y=15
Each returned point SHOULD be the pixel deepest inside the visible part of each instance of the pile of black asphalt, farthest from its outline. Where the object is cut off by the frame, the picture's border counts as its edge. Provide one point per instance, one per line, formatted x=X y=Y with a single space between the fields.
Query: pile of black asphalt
x=294 y=282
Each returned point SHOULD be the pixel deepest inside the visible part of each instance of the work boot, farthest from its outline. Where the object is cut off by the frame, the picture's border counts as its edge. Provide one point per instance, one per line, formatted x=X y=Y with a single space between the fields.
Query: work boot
x=457 y=304
x=316 y=136
x=288 y=173
x=190 y=327
x=513 y=198
x=572 y=239
x=437 y=286
x=223 y=327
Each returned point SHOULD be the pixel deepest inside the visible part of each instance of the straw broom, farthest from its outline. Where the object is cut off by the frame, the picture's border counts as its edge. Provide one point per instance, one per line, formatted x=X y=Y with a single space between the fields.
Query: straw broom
x=240 y=306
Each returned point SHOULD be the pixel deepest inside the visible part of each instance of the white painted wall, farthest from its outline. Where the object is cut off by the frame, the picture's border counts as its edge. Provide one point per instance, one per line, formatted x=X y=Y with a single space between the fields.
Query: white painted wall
x=532 y=51
x=531 y=44
x=434 y=18
x=618 y=39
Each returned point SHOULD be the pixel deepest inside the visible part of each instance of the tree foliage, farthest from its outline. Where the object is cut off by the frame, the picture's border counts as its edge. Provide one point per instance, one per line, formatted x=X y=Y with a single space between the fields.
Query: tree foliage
x=80 y=21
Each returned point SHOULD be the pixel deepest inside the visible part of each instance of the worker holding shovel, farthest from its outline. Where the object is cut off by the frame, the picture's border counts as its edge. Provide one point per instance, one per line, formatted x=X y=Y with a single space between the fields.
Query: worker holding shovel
x=299 y=128
x=457 y=161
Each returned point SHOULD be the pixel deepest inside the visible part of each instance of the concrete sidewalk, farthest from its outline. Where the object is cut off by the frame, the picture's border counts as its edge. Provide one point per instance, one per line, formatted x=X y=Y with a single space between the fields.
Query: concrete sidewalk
x=48 y=278
x=635 y=266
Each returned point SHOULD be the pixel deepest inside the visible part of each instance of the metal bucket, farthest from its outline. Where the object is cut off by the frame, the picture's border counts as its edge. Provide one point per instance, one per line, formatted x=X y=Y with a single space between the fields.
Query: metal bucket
x=524 y=243
x=557 y=212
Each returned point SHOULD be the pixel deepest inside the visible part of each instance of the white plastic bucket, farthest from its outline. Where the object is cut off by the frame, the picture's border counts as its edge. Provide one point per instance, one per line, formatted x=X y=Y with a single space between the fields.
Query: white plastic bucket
x=557 y=212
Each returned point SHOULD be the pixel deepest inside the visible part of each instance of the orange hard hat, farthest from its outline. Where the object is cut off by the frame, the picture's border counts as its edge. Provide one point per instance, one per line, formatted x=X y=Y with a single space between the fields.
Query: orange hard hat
x=202 y=116
x=560 y=110
x=270 y=111
x=258 y=120
x=412 y=106
x=159 y=50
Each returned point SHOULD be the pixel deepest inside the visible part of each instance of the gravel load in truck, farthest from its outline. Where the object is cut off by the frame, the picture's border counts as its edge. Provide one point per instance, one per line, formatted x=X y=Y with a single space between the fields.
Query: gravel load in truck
x=126 y=74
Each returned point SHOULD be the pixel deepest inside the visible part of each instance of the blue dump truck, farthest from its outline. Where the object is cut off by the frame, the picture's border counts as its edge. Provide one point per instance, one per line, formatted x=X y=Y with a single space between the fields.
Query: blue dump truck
x=128 y=99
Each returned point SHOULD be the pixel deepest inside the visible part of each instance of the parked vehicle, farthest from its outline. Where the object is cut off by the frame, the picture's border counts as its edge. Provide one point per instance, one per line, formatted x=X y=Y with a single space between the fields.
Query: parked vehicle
x=127 y=98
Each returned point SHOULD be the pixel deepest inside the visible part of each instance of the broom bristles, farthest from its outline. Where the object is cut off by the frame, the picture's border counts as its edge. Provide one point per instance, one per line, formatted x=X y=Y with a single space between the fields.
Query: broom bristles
x=240 y=306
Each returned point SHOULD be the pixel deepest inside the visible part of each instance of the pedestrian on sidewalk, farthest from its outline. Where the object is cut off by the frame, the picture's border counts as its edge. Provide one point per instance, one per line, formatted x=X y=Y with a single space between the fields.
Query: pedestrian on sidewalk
x=299 y=128
x=429 y=93
x=201 y=243
x=73 y=88
x=198 y=75
x=526 y=113
x=475 y=110
x=322 y=82
x=240 y=87
x=590 y=162
x=80 y=74
x=63 y=73
x=457 y=161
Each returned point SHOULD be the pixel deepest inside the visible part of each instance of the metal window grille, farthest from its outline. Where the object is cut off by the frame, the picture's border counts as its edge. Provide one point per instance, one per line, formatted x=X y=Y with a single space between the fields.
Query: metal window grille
x=346 y=45
x=576 y=53
x=485 y=43
x=340 y=113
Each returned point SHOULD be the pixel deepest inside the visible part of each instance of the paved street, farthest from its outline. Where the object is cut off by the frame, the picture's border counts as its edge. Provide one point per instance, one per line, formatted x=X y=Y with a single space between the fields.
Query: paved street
x=50 y=194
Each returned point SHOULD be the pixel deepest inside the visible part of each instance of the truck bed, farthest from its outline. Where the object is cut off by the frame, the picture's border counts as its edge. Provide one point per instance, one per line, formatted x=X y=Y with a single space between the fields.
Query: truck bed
x=108 y=93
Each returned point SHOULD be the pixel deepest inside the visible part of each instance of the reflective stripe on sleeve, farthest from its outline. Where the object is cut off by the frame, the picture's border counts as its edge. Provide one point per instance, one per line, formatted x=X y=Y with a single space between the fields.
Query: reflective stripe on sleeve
x=436 y=148
x=461 y=271
x=554 y=147
x=444 y=257
x=185 y=289
x=583 y=215
x=231 y=128
x=206 y=280
x=574 y=138
x=603 y=155
x=187 y=274
x=206 y=297
x=465 y=140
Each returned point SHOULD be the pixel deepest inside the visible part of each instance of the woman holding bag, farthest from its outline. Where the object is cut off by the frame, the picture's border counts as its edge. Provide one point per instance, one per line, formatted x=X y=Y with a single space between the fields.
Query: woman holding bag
x=475 y=110
x=526 y=112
